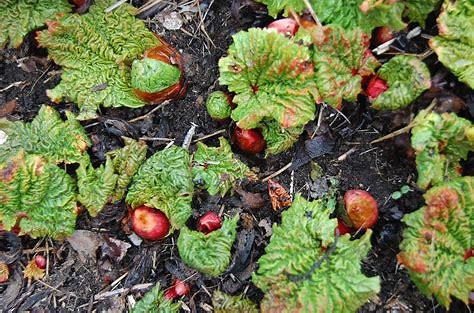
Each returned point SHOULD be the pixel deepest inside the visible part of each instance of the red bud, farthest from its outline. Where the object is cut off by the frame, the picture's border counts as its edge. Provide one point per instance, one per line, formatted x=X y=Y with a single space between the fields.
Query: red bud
x=209 y=222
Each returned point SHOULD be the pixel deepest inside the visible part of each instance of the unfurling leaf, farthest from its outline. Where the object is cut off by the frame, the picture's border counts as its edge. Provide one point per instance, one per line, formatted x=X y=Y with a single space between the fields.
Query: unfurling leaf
x=440 y=141
x=307 y=268
x=224 y=303
x=37 y=194
x=455 y=42
x=278 y=195
x=164 y=182
x=218 y=168
x=279 y=139
x=436 y=240
x=341 y=59
x=96 y=186
x=19 y=17
x=97 y=49
x=407 y=78
x=154 y=302
x=47 y=135
x=218 y=105
x=209 y=254
x=272 y=77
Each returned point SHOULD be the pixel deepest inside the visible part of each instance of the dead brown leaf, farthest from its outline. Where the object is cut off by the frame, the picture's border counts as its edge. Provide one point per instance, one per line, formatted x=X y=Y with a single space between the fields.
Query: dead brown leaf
x=251 y=200
x=278 y=195
x=7 y=108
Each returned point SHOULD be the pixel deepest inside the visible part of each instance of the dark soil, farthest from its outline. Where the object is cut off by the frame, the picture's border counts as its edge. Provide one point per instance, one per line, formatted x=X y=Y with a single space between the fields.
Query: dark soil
x=382 y=169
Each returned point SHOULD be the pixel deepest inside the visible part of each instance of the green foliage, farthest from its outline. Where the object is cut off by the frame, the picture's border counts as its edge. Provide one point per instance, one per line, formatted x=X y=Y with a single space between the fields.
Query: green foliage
x=224 y=303
x=126 y=162
x=96 y=186
x=341 y=59
x=217 y=105
x=209 y=254
x=440 y=142
x=95 y=50
x=165 y=182
x=418 y=10
x=305 y=268
x=279 y=139
x=455 y=42
x=407 y=78
x=38 y=194
x=150 y=75
x=47 y=135
x=436 y=239
x=154 y=302
x=217 y=168
x=19 y=17
x=272 y=77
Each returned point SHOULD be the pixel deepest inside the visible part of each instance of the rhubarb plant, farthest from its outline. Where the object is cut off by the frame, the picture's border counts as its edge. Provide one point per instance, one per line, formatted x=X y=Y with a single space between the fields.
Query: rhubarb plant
x=19 y=17
x=306 y=267
x=225 y=303
x=208 y=253
x=436 y=240
x=155 y=302
x=37 y=196
x=279 y=139
x=440 y=141
x=455 y=42
x=47 y=135
x=165 y=182
x=217 y=169
x=406 y=78
x=101 y=55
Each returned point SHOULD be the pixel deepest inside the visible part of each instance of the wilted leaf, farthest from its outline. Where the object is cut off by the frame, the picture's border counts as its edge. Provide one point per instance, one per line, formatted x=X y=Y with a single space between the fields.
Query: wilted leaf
x=209 y=254
x=250 y=199
x=218 y=168
x=85 y=243
x=436 y=240
x=154 y=302
x=19 y=17
x=278 y=195
x=32 y=271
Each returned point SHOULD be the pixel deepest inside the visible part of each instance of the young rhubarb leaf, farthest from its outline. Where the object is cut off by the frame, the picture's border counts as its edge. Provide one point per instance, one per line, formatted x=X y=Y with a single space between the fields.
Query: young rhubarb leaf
x=225 y=303
x=209 y=254
x=307 y=268
x=272 y=77
x=407 y=78
x=455 y=42
x=418 y=10
x=19 y=17
x=96 y=50
x=217 y=168
x=126 y=162
x=436 y=239
x=440 y=141
x=341 y=59
x=96 y=185
x=218 y=105
x=47 y=135
x=279 y=139
x=165 y=182
x=38 y=194
x=154 y=302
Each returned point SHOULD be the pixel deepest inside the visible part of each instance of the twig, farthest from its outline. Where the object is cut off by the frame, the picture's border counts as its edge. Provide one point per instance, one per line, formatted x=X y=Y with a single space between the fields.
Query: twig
x=202 y=26
x=313 y=14
x=210 y=135
x=189 y=136
x=118 y=280
x=148 y=5
x=156 y=139
x=320 y=118
x=121 y=290
x=281 y=170
x=15 y=84
x=114 y=6
x=139 y=118
x=344 y=156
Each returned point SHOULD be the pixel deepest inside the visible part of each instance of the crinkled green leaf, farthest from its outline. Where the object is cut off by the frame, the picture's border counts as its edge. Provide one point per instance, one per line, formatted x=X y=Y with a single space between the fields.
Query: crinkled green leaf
x=165 y=182
x=440 y=142
x=306 y=269
x=96 y=185
x=154 y=302
x=47 y=135
x=350 y=14
x=455 y=42
x=150 y=75
x=225 y=303
x=272 y=77
x=95 y=50
x=341 y=59
x=209 y=254
x=217 y=105
x=217 y=168
x=418 y=10
x=126 y=162
x=407 y=78
x=436 y=239
x=279 y=139
x=19 y=17
x=39 y=194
